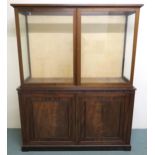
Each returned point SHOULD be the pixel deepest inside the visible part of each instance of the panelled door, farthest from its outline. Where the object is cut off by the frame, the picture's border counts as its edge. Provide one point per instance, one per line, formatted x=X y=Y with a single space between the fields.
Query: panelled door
x=49 y=118
x=103 y=118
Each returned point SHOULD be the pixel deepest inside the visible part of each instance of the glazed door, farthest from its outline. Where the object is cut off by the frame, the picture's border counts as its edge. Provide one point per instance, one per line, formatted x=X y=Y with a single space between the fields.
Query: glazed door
x=101 y=118
x=49 y=118
x=47 y=45
x=105 y=45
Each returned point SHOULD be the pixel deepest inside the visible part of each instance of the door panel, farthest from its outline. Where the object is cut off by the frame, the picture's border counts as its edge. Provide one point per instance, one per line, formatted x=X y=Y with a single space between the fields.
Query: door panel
x=50 y=118
x=101 y=117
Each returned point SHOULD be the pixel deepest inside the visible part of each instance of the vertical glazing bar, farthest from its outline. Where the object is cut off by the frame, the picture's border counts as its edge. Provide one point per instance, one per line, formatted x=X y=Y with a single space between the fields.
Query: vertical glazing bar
x=78 y=47
x=75 y=47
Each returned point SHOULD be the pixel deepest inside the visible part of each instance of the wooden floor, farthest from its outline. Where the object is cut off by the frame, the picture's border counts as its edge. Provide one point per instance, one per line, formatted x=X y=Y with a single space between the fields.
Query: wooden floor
x=139 y=146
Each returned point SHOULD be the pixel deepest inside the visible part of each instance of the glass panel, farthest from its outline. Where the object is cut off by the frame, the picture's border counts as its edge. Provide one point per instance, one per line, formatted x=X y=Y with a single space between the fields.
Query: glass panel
x=103 y=47
x=50 y=44
x=128 y=47
x=24 y=47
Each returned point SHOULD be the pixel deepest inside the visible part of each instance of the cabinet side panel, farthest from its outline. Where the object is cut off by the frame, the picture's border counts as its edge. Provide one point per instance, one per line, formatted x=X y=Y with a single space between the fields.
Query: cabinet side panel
x=129 y=46
x=24 y=46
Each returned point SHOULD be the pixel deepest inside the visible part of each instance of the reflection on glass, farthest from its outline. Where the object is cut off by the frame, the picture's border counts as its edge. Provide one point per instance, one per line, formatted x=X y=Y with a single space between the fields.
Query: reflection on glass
x=103 y=39
x=50 y=41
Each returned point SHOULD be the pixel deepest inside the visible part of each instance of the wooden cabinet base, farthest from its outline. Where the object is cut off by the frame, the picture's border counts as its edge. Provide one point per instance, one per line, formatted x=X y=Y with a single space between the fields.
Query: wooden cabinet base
x=76 y=119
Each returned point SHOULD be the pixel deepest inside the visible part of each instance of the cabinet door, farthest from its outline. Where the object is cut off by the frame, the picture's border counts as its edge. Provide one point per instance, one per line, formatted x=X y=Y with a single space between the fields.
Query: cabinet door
x=48 y=118
x=47 y=50
x=104 y=118
x=106 y=44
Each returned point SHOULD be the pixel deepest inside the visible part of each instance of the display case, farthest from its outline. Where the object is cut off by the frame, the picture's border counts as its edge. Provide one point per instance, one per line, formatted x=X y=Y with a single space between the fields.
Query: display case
x=76 y=69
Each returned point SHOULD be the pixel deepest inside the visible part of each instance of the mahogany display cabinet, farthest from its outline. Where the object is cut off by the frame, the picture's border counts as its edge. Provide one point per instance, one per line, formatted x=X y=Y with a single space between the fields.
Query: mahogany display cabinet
x=76 y=69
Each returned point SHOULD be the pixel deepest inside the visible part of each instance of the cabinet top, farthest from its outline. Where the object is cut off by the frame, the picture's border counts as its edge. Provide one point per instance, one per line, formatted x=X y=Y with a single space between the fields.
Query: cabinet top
x=77 y=5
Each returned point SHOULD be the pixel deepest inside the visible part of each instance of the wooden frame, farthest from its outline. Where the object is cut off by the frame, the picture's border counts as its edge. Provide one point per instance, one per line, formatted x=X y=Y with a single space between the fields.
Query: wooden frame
x=80 y=5
x=47 y=108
